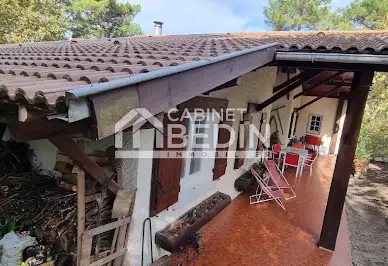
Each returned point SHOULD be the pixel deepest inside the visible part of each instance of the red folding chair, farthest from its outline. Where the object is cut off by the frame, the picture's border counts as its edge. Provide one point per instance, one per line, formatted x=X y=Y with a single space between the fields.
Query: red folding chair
x=266 y=191
x=278 y=178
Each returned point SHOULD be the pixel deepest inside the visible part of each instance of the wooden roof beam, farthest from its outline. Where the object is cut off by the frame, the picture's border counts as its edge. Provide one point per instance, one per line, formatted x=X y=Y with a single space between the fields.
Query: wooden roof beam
x=69 y=147
x=323 y=82
x=232 y=83
x=335 y=83
x=288 y=82
x=318 y=98
x=42 y=128
x=307 y=76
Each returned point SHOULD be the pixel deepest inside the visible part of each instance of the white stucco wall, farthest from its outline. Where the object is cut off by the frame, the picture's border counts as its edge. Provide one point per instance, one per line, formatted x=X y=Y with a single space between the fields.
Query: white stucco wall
x=255 y=87
x=326 y=107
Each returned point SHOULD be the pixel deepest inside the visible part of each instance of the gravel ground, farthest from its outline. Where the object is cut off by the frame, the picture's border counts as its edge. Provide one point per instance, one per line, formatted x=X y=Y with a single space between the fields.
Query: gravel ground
x=367 y=213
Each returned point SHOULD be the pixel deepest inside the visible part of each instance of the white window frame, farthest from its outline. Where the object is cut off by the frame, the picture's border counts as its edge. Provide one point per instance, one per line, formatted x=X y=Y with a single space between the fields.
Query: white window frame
x=202 y=180
x=309 y=125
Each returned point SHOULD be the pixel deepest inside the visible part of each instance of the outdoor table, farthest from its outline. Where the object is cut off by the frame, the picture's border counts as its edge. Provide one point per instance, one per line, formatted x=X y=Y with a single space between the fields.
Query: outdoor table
x=303 y=153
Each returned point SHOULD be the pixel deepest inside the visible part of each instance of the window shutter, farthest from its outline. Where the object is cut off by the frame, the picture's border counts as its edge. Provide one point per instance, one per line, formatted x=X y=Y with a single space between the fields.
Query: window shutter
x=166 y=175
x=239 y=161
x=220 y=162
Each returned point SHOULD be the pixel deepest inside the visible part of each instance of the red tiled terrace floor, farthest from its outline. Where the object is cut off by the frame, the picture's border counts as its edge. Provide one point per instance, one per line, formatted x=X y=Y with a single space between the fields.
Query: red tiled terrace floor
x=264 y=234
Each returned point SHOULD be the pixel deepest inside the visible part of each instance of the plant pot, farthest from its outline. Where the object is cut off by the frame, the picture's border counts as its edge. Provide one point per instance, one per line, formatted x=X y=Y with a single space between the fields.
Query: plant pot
x=172 y=240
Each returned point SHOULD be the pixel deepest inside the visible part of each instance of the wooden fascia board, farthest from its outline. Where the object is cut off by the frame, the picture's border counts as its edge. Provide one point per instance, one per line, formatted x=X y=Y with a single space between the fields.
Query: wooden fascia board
x=167 y=92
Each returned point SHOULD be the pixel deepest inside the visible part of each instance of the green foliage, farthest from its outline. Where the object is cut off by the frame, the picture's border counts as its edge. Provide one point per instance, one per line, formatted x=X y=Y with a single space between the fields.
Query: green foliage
x=46 y=20
x=31 y=20
x=363 y=150
x=370 y=14
x=297 y=14
x=376 y=109
x=373 y=139
x=106 y=18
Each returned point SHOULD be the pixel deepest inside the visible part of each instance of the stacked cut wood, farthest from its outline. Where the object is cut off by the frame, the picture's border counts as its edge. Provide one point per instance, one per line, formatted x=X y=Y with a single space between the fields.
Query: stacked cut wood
x=68 y=169
x=93 y=192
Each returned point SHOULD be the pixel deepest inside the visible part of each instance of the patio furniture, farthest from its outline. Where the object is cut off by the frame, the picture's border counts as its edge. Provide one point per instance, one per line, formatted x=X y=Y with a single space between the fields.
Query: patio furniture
x=309 y=161
x=278 y=177
x=266 y=191
x=276 y=149
x=299 y=146
x=294 y=160
x=314 y=141
x=303 y=154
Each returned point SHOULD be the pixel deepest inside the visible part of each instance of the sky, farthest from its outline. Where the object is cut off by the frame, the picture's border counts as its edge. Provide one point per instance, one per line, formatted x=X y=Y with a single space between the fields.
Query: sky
x=206 y=16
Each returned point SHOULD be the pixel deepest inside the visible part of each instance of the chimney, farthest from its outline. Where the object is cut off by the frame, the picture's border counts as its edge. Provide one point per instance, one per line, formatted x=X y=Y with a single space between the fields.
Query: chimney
x=158 y=26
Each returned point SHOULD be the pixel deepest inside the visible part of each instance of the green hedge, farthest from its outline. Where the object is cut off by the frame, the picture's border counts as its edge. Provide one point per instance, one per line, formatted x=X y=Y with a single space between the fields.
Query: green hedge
x=373 y=141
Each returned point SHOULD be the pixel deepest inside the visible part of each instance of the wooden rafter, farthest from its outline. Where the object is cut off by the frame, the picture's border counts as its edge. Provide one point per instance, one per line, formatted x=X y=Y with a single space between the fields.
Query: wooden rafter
x=308 y=75
x=42 y=128
x=336 y=83
x=288 y=82
x=68 y=146
x=323 y=82
x=318 y=98
x=232 y=83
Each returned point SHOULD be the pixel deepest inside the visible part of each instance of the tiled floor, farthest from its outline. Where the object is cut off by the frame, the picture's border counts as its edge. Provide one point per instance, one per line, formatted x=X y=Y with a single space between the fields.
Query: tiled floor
x=264 y=234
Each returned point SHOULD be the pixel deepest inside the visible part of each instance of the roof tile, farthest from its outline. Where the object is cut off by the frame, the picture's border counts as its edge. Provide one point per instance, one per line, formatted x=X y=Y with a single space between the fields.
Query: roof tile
x=40 y=73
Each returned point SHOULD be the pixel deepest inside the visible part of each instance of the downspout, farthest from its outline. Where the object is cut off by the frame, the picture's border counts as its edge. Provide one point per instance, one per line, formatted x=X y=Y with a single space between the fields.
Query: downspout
x=332 y=58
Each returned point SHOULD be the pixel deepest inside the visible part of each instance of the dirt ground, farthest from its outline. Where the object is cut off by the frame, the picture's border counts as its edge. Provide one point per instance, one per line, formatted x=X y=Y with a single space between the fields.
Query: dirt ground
x=367 y=213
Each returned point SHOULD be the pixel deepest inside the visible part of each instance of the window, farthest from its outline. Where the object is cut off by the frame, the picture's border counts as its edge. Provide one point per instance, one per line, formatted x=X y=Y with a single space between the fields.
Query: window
x=195 y=142
x=199 y=139
x=315 y=123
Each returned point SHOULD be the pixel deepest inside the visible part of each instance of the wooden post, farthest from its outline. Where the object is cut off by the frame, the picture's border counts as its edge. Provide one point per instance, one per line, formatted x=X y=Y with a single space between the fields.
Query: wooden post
x=356 y=105
x=80 y=212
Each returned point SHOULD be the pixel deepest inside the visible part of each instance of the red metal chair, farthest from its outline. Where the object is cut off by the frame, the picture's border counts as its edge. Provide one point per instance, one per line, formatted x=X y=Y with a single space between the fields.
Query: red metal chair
x=314 y=141
x=299 y=146
x=276 y=148
x=292 y=159
x=310 y=161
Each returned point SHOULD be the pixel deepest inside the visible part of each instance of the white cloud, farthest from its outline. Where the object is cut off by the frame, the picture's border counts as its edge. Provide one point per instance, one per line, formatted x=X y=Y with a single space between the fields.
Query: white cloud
x=199 y=16
x=205 y=16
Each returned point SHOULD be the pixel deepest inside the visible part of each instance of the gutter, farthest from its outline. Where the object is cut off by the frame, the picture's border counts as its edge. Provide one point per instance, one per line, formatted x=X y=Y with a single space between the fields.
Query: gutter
x=332 y=58
x=93 y=89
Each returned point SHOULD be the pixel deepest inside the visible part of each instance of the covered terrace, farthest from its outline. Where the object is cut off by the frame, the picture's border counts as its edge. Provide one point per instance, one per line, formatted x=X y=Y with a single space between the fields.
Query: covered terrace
x=264 y=234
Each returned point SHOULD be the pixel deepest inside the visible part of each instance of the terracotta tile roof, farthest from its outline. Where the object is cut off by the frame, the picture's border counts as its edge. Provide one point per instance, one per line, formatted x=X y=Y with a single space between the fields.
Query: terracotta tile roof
x=41 y=73
x=374 y=42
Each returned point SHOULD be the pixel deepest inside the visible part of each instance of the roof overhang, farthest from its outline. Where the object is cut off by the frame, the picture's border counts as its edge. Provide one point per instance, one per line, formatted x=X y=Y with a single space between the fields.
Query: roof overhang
x=161 y=90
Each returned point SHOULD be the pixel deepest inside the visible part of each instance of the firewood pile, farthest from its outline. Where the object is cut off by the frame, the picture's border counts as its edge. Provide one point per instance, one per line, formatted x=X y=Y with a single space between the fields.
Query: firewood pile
x=47 y=205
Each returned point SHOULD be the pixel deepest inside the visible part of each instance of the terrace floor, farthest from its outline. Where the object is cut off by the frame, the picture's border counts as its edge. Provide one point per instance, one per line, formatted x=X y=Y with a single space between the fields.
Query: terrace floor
x=264 y=234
